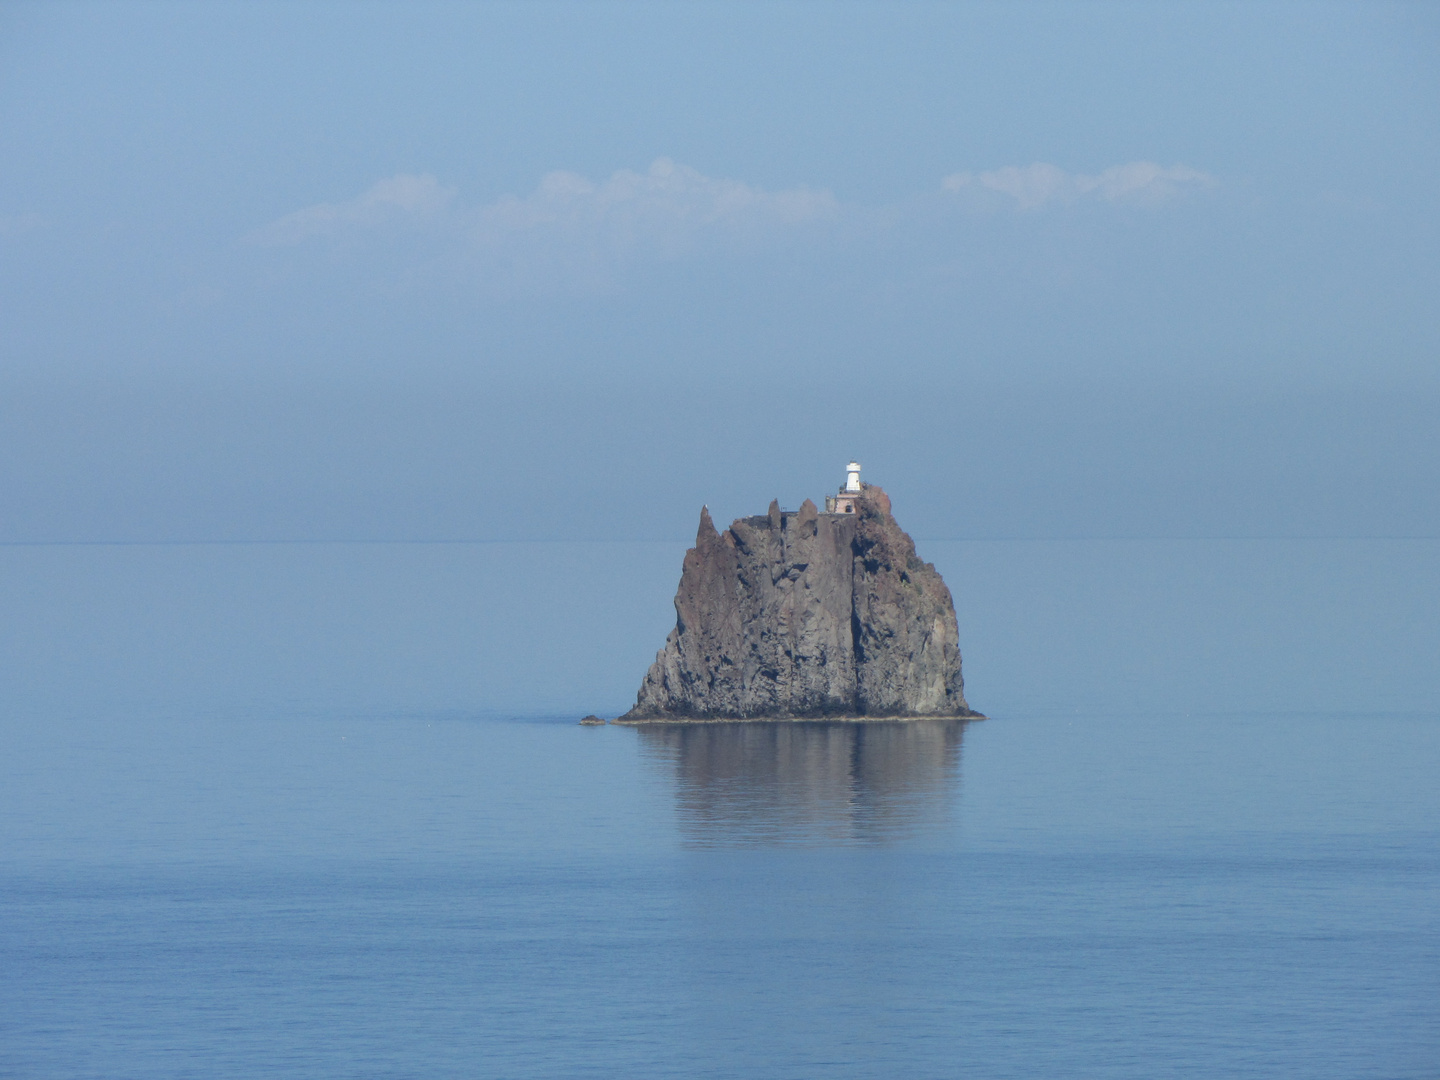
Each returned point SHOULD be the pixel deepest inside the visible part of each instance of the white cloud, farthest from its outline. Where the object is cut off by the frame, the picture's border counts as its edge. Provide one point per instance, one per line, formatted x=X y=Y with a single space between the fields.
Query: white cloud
x=573 y=233
x=658 y=213
x=661 y=210
x=1034 y=186
x=399 y=198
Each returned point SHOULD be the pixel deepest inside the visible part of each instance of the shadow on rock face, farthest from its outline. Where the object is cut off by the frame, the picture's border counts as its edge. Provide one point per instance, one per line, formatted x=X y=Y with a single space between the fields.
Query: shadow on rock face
x=809 y=784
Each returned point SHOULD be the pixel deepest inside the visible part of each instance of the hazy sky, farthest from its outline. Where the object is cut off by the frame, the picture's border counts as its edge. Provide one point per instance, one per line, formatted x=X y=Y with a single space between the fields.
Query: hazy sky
x=569 y=270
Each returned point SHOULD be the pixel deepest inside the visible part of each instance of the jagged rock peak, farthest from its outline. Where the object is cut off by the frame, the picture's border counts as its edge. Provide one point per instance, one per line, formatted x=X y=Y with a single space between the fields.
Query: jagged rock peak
x=795 y=614
x=707 y=533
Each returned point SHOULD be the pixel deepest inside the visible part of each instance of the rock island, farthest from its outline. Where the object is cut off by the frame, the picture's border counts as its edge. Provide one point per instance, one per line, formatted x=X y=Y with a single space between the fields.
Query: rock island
x=801 y=615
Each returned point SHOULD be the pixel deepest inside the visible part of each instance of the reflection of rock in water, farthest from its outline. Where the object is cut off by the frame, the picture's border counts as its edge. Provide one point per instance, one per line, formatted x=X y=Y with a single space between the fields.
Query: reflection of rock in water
x=761 y=783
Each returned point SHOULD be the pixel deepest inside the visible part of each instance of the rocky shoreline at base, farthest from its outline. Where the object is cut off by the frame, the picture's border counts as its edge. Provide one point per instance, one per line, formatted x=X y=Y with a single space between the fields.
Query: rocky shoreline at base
x=629 y=721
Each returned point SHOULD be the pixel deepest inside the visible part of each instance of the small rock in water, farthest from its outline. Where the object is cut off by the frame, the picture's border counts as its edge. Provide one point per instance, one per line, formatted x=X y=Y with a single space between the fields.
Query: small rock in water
x=592 y=719
x=788 y=615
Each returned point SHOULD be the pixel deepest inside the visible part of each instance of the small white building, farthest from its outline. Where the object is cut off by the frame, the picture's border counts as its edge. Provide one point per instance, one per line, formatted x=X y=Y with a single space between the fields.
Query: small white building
x=844 y=502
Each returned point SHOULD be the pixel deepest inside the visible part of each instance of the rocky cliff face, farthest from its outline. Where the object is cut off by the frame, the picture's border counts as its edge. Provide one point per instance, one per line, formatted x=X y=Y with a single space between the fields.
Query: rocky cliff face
x=807 y=615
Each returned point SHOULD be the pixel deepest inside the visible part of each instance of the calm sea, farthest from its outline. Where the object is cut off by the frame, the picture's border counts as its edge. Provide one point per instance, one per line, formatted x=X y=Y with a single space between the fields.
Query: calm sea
x=325 y=811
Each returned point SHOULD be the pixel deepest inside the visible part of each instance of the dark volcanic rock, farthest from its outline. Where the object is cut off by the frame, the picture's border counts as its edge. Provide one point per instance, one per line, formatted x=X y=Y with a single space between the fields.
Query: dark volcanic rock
x=806 y=614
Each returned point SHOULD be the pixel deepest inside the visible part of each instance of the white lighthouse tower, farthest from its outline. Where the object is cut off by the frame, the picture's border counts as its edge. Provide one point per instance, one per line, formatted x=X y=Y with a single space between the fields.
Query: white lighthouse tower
x=844 y=503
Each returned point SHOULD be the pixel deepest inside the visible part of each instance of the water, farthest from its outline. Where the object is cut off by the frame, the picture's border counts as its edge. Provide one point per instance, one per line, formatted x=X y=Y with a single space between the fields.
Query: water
x=278 y=812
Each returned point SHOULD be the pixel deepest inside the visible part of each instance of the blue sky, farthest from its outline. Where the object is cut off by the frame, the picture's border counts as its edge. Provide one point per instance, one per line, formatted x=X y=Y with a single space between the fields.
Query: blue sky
x=569 y=270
